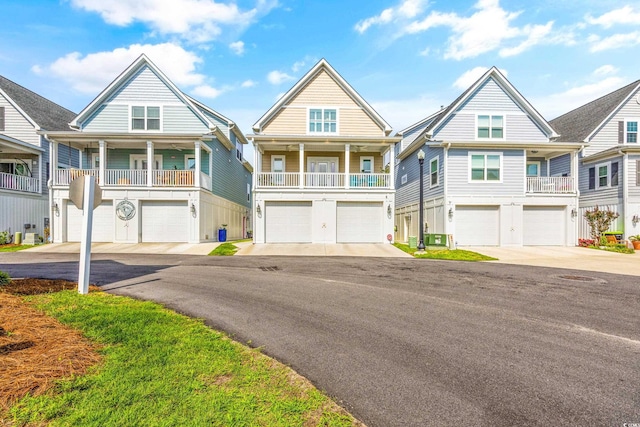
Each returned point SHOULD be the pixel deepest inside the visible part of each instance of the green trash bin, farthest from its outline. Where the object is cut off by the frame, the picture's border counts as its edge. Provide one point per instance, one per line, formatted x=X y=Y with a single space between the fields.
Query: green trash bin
x=438 y=240
x=413 y=242
x=18 y=238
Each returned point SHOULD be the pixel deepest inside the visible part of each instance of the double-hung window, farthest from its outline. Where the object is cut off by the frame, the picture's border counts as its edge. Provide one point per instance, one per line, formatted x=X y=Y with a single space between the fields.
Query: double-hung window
x=603 y=175
x=485 y=167
x=323 y=120
x=433 y=172
x=490 y=126
x=631 y=131
x=145 y=118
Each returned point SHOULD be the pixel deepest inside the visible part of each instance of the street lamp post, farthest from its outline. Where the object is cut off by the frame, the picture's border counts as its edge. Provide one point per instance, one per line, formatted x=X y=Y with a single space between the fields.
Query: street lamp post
x=421 y=161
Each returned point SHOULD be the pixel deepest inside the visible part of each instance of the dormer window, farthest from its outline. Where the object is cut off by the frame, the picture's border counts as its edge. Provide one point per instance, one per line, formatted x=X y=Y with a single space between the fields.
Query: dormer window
x=145 y=118
x=490 y=127
x=323 y=120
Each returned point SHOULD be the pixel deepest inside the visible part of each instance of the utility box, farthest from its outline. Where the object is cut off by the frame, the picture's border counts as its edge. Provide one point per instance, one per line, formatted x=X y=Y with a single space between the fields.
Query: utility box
x=413 y=242
x=437 y=239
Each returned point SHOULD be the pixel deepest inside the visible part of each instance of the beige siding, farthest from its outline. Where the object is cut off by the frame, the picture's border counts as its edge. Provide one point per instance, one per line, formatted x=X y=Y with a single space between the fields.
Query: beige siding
x=354 y=161
x=355 y=122
x=291 y=161
x=289 y=121
x=322 y=90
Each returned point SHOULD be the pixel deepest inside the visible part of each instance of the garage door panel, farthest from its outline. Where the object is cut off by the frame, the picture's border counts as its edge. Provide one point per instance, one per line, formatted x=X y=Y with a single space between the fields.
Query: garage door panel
x=544 y=226
x=103 y=223
x=359 y=222
x=477 y=225
x=164 y=221
x=288 y=222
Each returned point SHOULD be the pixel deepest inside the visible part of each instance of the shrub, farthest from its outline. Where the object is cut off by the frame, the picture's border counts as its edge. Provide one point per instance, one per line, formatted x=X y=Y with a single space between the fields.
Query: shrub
x=599 y=221
x=5 y=279
x=585 y=243
x=5 y=237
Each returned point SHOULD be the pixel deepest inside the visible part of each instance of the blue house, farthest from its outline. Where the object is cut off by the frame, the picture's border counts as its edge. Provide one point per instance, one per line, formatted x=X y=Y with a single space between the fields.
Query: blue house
x=495 y=173
x=171 y=168
x=610 y=161
x=25 y=157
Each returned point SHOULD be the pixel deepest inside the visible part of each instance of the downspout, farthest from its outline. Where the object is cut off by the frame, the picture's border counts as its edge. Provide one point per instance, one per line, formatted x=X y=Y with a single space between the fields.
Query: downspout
x=445 y=162
x=625 y=189
x=50 y=188
x=575 y=170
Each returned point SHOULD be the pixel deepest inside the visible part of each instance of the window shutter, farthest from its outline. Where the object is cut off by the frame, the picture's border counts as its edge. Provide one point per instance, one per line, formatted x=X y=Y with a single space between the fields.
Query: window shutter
x=614 y=174
x=592 y=178
x=1 y=118
x=638 y=172
x=620 y=132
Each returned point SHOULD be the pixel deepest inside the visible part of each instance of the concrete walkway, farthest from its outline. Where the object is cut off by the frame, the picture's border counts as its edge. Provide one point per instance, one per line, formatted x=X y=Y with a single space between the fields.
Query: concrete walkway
x=130 y=248
x=564 y=257
x=319 y=249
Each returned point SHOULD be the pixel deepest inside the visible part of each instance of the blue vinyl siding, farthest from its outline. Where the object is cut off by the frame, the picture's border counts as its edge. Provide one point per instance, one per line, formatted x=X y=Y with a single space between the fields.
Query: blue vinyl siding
x=490 y=97
x=230 y=177
x=223 y=125
x=108 y=118
x=181 y=119
x=600 y=195
x=145 y=86
x=560 y=165
x=409 y=192
x=68 y=156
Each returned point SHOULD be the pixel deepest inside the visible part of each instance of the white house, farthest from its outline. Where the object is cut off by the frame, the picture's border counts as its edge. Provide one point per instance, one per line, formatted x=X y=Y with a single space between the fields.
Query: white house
x=171 y=169
x=321 y=166
x=494 y=172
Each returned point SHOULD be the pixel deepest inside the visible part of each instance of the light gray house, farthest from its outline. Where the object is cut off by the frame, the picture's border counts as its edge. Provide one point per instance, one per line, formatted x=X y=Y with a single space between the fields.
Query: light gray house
x=24 y=156
x=610 y=162
x=494 y=172
x=171 y=168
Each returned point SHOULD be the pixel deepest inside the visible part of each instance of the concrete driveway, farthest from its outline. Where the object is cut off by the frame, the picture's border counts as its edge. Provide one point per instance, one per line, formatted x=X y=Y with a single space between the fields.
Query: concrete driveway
x=564 y=257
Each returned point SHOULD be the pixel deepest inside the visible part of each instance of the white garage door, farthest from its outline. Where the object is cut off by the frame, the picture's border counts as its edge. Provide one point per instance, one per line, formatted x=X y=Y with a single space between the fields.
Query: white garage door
x=543 y=226
x=359 y=222
x=165 y=221
x=288 y=222
x=103 y=219
x=477 y=225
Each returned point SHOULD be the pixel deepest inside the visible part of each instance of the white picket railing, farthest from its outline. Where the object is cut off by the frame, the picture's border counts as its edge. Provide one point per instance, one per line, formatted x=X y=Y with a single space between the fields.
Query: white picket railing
x=135 y=177
x=324 y=180
x=369 y=180
x=65 y=176
x=173 y=178
x=551 y=184
x=19 y=183
x=125 y=177
x=278 y=179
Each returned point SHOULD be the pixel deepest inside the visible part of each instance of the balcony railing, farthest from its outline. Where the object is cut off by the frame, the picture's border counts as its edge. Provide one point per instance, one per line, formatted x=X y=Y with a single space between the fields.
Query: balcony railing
x=551 y=184
x=134 y=177
x=322 y=180
x=19 y=183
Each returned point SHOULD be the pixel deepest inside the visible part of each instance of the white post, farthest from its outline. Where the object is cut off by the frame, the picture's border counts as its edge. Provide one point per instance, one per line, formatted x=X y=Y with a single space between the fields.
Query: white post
x=53 y=162
x=347 y=155
x=87 y=225
x=392 y=165
x=301 y=166
x=150 y=163
x=198 y=150
x=102 y=156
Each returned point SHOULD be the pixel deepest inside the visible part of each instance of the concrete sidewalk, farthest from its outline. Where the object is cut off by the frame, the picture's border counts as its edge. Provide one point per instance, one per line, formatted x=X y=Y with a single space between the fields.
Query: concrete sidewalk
x=130 y=248
x=564 y=257
x=319 y=249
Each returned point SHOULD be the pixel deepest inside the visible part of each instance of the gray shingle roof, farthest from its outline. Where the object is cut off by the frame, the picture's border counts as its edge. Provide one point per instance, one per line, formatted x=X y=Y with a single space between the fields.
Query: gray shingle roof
x=577 y=125
x=47 y=114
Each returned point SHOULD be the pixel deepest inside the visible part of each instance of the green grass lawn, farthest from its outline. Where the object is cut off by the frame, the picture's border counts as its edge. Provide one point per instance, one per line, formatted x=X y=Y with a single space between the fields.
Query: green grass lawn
x=227 y=249
x=446 y=254
x=14 y=248
x=161 y=368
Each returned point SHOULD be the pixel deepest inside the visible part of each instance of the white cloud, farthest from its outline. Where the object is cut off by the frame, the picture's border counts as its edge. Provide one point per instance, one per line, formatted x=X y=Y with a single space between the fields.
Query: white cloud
x=248 y=83
x=407 y=9
x=624 y=15
x=206 y=91
x=237 y=47
x=92 y=73
x=536 y=34
x=604 y=70
x=196 y=20
x=276 y=77
x=615 y=41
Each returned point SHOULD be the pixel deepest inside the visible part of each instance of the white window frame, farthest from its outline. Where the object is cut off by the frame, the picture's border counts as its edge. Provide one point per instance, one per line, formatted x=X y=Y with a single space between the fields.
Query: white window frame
x=145 y=106
x=608 y=175
x=532 y=162
x=403 y=179
x=491 y=116
x=248 y=192
x=437 y=161
x=373 y=166
x=322 y=110
x=186 y=161
x=284 y=162
x=95 y=157
x=143 y=157
x=484 y=153
x=626 y=132
x=239 y=152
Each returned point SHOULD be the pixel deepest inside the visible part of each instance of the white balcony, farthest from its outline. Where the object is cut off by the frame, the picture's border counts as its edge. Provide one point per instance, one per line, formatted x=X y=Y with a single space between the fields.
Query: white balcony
x=551 y=185
x=19 y=183
x=135 y=178
x=315 y=180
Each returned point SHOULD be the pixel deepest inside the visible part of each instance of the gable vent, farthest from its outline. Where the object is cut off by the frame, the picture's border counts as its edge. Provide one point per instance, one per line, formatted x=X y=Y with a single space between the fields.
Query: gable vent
x=1 y=118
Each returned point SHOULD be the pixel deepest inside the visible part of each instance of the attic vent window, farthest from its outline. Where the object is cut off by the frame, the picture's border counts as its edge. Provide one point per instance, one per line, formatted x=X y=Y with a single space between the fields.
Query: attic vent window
x=145 y=118
x=490 y=127
x=323 y=121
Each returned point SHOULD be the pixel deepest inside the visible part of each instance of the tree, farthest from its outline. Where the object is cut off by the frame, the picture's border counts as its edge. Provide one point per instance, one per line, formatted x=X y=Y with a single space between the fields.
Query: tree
x=599 y=221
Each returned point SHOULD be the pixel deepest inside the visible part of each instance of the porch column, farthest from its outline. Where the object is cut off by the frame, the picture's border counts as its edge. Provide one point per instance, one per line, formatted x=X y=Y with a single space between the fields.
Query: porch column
x=301 y=166
x=198 y=149
x=574 y=171
x=150 y=163
x=347 y=152
x=53 y=162
x=102 y=156
x=211 y=168
x=40 y=174
x=392 y=166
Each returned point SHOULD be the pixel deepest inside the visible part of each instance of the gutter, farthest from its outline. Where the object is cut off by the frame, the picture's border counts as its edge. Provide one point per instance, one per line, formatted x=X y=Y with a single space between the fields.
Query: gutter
x=625 y=189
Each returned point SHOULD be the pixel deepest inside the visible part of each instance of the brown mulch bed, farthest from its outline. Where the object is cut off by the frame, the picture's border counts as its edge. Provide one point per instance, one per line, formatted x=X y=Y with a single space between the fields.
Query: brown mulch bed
x=35 y=349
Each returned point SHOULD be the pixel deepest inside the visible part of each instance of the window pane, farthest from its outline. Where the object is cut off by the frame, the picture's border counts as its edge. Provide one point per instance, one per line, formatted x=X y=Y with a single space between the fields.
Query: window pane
x=532 y=169
x=330 y=115
x=332 y=127
x=278 y=165
x=493 y=161
x=477 y=174
x=493 y=174
x=137 y=112
x=434 y=166
x=602 y=171
x=191 y=163
x=315 y=114
x=137 y=124
x=153 y=124
x=496 y=121
x=153 y=112
x=632 y=126
x=496 y=132
x=632 y=137
x=366 y=165
x=483 y=121
x=477 y=161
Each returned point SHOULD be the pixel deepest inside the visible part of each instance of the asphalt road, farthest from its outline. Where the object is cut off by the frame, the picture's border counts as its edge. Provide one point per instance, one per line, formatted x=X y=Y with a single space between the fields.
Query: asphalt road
x=404 y=342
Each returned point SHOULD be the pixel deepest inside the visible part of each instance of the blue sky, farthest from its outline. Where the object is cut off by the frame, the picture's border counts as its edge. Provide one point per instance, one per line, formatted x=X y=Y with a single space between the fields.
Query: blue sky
x=406 y=58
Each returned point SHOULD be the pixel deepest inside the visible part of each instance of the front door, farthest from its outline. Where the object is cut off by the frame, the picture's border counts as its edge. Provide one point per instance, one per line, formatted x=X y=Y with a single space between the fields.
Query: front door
x=139 y=161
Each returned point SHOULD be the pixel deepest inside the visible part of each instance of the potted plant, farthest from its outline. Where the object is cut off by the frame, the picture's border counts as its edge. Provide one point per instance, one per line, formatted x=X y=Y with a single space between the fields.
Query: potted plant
x=635 y=240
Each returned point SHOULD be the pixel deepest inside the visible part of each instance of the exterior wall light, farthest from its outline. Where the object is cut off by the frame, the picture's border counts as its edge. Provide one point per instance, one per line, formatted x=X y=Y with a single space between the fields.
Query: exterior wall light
x=193 y=209
x=574 y=213
x=450 y=213
x=258 y=210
